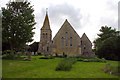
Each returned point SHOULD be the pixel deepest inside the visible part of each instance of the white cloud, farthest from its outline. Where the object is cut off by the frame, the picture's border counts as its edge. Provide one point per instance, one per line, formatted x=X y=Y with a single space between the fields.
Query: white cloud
x=84 y=15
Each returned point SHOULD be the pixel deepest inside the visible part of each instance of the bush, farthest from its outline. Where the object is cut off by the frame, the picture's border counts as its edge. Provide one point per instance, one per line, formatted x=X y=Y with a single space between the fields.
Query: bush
x=64 y=55
x=86 y=60
x=39 y=53
x=112 y=69
x=91 y=59
x=9 y=54
x=66 y=64
x=47 y=57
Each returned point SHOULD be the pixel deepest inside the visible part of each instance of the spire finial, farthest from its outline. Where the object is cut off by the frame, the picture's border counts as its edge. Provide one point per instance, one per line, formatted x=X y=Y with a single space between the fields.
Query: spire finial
x=46 y=10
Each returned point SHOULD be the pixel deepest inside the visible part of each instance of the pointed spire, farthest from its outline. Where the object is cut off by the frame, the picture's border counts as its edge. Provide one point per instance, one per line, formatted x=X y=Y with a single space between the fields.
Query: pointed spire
x=46 y=24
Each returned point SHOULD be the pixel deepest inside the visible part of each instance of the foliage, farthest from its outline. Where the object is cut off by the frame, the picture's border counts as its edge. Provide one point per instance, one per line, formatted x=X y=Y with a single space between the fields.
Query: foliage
x=107 y=44
x=91 y=59
x=11 y=55
x=108 y=68
x=34 y=47
x=5 y=46
x=64 y=55
x=17 y=24
x=66 y=64
x=47 y=57
x=39 y=53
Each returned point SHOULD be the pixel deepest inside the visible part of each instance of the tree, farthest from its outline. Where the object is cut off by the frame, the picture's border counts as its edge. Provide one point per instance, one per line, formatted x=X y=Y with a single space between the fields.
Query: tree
x=107 y=44
x=34 y=47
x=17 y=24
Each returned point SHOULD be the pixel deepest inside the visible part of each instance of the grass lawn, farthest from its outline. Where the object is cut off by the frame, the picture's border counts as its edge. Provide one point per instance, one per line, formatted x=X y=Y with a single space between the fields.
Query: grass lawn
x=0 y=67
x=45 y=68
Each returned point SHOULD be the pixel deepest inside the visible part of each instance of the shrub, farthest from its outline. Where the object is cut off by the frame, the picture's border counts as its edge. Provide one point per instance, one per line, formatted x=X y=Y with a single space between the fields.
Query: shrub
x=112 y=69
x=47 y=57
x=80 y=59
x=39 y=53
x=66 y=64
x=9 y=54
x=86 y=60
x=91 y=59
x=64 y=55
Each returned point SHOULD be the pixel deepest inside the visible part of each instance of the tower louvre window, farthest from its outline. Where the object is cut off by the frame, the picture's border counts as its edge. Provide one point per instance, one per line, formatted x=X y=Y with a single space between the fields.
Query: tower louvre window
x=43 y=35
x=46 y=35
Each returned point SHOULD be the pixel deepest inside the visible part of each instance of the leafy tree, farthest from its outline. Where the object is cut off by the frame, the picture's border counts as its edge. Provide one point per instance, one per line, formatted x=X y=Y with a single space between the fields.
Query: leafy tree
x=5 y=46
x=107 y=44
x=17 y=24
x=34 y=47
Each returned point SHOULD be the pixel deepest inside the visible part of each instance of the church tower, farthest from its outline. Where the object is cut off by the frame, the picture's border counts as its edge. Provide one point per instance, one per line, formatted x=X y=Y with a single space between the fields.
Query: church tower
x=45 y=36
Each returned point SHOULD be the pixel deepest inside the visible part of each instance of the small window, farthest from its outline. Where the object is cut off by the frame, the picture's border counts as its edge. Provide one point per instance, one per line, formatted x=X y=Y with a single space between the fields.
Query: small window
x=84 y=47
x=66 y=36
x=47 y=48
x=62 y=42
x=81 y=42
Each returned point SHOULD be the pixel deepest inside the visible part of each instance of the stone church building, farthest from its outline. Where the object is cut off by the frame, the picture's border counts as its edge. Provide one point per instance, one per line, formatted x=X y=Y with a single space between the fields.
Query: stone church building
x=66 y=41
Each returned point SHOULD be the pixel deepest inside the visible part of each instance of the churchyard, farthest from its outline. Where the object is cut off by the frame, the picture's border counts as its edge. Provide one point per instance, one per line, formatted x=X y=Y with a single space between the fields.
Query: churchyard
x=39 y=67
x=101 y=56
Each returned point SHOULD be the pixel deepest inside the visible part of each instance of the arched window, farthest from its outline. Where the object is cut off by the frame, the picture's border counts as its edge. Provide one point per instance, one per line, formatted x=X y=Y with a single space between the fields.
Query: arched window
x=66 y=36
x=47 y=49
x=84 y=46
x=62 y=42
x=43 y=35
x=70 y=41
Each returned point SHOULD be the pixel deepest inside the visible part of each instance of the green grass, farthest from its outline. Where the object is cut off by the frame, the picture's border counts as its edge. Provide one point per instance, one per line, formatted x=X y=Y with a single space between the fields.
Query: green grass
x=45 y=68
x=0 y=67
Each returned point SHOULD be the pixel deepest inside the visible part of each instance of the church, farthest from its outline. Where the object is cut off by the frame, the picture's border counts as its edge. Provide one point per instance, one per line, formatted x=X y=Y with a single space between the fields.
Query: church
x=65 y=42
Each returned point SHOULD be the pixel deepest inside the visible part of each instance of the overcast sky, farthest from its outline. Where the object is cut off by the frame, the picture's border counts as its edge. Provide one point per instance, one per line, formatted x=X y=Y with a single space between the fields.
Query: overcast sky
x=86 y=16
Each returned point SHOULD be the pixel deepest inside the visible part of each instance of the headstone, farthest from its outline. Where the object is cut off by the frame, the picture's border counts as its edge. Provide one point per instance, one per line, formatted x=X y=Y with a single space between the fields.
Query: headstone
x=29 y=56
x=32 y=53
x=36 y=53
